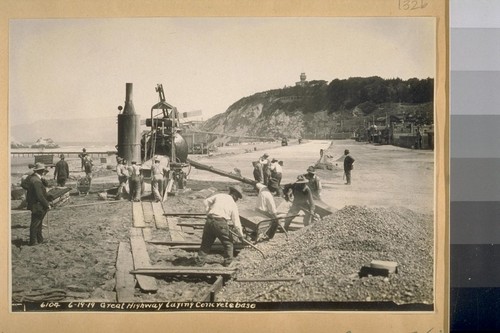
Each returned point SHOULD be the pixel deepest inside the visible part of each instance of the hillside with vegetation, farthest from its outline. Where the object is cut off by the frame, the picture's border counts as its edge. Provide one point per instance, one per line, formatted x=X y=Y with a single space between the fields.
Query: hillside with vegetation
x=318 y=109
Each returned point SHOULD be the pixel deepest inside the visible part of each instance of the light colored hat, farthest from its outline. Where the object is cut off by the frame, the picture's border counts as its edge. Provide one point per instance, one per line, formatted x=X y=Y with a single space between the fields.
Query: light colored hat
x=301 y=180
x=40 y=166
x=236 y=189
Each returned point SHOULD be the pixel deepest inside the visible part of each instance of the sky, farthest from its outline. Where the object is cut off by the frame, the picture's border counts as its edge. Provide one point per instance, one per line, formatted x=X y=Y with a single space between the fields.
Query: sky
x=78 y=68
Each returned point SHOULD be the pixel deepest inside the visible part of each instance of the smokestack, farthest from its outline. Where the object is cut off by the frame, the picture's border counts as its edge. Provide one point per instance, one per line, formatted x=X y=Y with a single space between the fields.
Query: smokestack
x=129 y=131
x=129 y=105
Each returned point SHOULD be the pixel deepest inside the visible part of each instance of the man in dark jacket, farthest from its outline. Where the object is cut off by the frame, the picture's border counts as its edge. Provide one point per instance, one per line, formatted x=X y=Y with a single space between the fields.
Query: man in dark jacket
x=61 y=172
x=302 y=200
x=314 y=182
x=348 y=161
x=37 y=203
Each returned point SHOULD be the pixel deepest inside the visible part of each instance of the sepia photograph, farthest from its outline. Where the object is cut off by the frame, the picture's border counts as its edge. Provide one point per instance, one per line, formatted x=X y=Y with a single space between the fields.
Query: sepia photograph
x=278 y=163
x=278 y=166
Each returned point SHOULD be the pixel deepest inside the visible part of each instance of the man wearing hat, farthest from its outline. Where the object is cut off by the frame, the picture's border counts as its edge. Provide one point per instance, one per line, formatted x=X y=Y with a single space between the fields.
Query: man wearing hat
x=82 y=156
x=264 y=161
x=275 y=179
x=134 y=182
x=258 y=174
x=314 y=182
x=122 y=173
x=220 y=209
x=61 y=172
x=158 y=174
x=348 y=161
x=302 y=200
x=37 y=203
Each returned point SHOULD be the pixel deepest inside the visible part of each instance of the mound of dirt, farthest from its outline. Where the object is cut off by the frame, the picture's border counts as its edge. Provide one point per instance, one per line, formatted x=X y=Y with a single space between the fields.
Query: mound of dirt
x=326 y=259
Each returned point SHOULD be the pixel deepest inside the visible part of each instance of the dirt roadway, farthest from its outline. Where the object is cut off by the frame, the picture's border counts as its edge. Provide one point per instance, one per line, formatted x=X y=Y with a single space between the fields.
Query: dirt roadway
x=383 y=176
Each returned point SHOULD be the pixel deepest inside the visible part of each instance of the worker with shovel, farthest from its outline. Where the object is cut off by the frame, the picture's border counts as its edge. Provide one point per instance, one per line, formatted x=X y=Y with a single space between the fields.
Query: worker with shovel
x=37 y=203
x=302 y=201
x=220 y=209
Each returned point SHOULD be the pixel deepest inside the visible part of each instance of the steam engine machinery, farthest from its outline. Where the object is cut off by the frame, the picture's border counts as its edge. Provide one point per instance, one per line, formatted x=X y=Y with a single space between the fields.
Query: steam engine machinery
x=163 y=139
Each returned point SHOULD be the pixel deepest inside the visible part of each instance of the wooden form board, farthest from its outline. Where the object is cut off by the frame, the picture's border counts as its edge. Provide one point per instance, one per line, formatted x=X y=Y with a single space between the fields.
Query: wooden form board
x=175 y=230
x=188 y=271
x=141 y=259
x=125 y=282
x=160 y=219
x=138 y=215
x=214 y=289
x=147 y=209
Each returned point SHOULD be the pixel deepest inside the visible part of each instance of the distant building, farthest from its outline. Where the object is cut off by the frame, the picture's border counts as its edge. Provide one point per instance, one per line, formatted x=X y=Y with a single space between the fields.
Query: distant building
x=302 y=81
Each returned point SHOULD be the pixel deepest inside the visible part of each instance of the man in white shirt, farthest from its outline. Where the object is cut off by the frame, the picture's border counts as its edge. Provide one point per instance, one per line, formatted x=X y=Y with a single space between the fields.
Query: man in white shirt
x=221 y=208
x=158 y=174
x=266 y=205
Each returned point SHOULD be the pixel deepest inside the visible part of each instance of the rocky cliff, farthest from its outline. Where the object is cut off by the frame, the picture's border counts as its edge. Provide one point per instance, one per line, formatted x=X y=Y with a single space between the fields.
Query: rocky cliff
x=318 y=111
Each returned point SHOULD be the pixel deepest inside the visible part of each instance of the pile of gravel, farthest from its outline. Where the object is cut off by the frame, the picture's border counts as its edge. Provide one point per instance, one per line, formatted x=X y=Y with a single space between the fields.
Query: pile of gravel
x=327 y=256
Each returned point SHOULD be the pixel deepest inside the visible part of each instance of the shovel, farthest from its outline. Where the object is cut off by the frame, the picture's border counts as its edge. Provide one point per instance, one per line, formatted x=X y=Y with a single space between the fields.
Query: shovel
x=247 y=242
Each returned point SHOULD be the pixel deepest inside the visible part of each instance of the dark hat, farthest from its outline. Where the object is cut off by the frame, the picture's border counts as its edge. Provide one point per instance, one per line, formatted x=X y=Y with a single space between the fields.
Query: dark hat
x=84 y=149
x=133 y=162
x=31 y=166
x=346 y=151
x=274 y=160
x=61 y=156
x=236 y=189
x=266 y=155
x=301 y=180
x=311 y=169
x=39 y=166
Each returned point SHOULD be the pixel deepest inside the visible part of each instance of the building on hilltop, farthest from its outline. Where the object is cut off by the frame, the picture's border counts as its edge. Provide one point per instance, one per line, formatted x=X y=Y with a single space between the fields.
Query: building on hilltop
x=302 y=81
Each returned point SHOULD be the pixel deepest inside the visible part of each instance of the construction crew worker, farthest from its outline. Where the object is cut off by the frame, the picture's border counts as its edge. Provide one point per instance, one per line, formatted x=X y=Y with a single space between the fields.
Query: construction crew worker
x=158 y=173
x=314 y=182
x=348 y=161
x=61 y=172
x=122 y=173
x=221 y=208
x=25 y=184
x=134 y=182
x=258 y=174
x=266 y=205
x=82 y=156
x=276 y=175
x=88 y=165
x=302 y=200
x=264 y=161
x=37 y=203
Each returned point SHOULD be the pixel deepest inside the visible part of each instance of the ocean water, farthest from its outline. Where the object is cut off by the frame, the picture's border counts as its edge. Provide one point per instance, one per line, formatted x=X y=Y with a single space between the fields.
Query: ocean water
x=72 y=146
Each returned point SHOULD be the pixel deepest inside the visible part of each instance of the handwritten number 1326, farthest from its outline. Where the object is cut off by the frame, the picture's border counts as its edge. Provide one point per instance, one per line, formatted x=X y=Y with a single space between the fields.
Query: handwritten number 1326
x=412 y=4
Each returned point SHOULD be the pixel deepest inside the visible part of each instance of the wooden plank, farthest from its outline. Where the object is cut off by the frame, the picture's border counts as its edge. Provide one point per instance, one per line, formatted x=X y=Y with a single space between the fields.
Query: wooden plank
x=267 y=279
x=176 y=233
x=147 y=209
x=188 y=230
x=135 y=232
x=125 y=282
x=187 y=271
x=214 y=289
x=160 y=219
x=141 y=259
x=214 y=248
x=147 y=234
x=138 y=215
